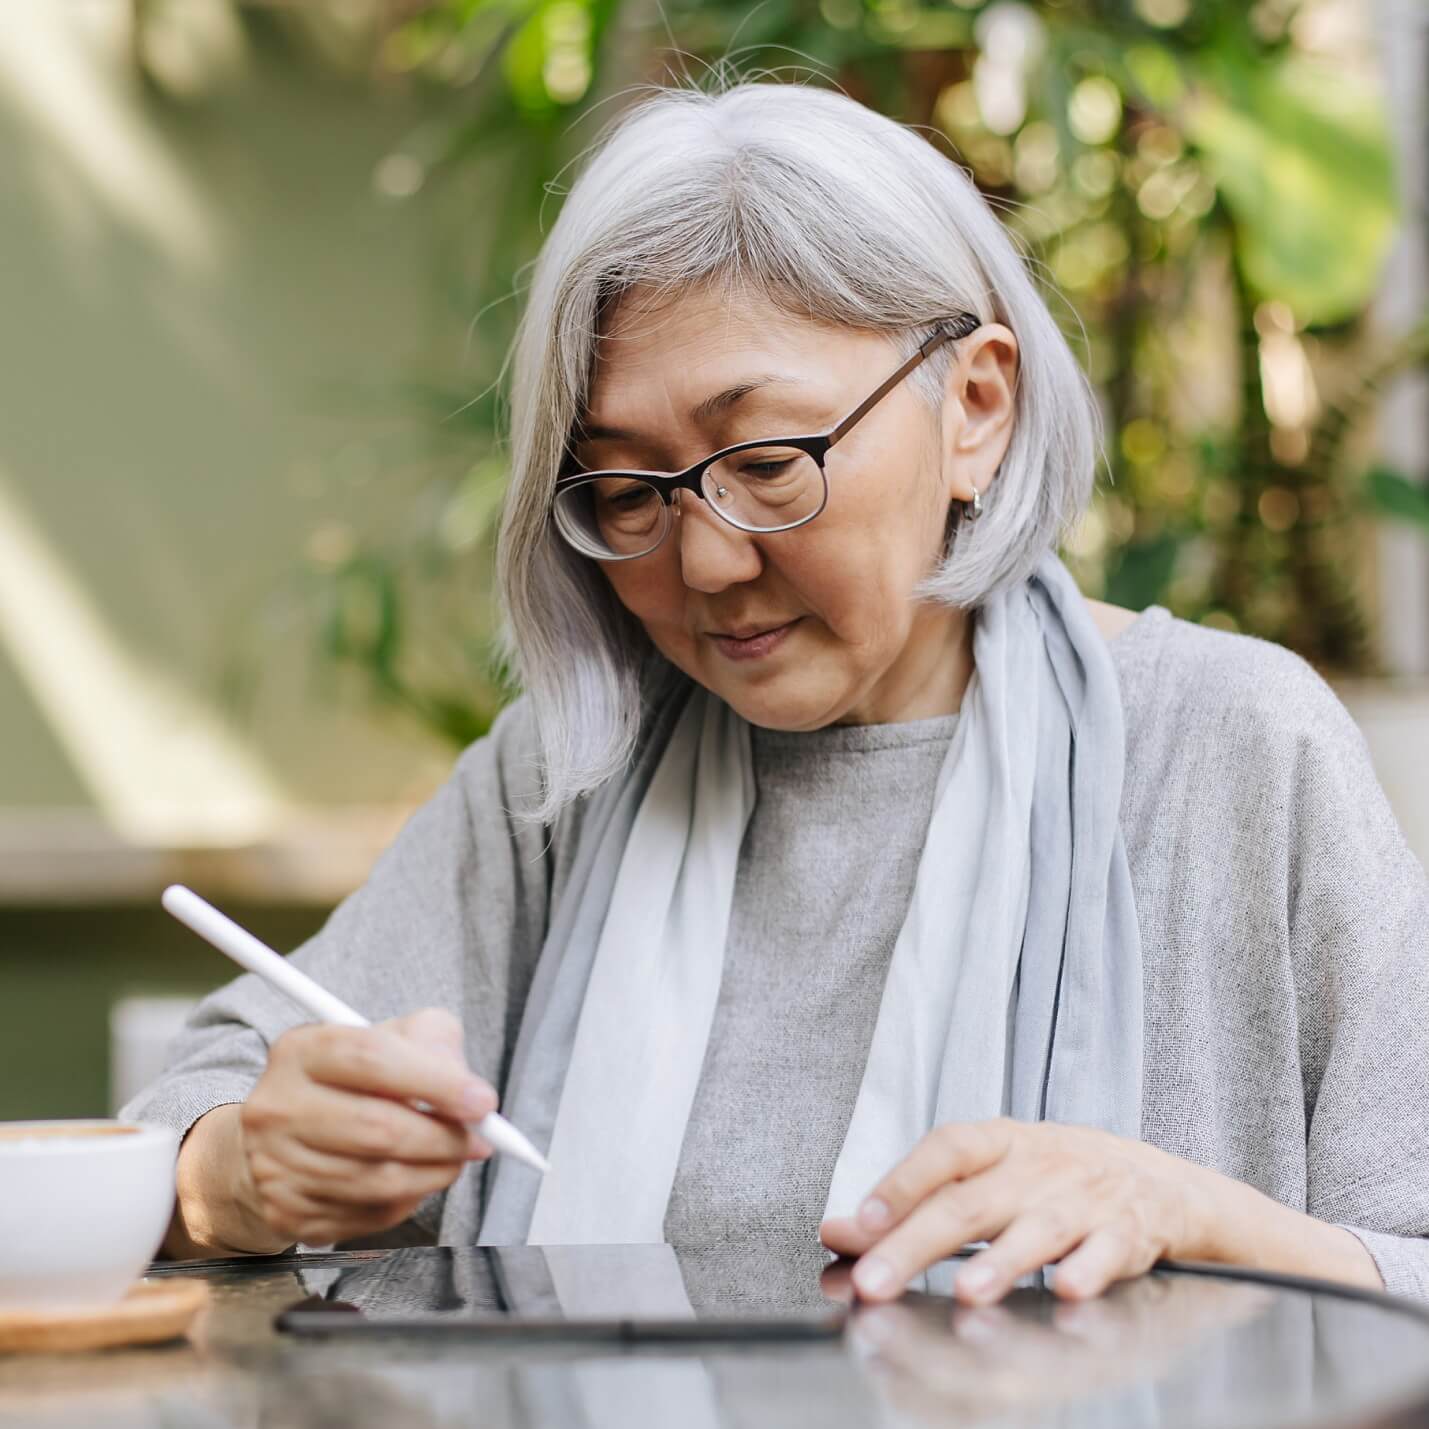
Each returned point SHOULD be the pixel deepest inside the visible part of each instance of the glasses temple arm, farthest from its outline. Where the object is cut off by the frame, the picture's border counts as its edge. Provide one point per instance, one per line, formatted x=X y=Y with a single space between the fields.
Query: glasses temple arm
x=960 y=329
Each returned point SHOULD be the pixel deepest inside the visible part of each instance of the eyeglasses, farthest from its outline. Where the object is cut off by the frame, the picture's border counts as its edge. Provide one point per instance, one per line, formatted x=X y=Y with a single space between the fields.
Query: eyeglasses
x=762 y=486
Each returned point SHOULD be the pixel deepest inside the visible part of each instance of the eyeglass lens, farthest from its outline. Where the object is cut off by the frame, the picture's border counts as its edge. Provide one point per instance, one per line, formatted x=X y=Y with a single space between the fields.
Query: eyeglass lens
x=767 y=488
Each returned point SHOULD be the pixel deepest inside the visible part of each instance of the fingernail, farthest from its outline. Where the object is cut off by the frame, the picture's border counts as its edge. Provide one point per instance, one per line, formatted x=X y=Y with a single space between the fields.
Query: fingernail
x=475 y=1100
x=874 y=1214
x=976 y=1279
x=873 y=1276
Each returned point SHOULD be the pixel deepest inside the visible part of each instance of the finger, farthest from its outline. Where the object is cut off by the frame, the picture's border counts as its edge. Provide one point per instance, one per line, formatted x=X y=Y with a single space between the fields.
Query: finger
x=844 y=1236
x=349 y=1180
x=315 y=1221
x=940 y=1225
x=947 y=1153
x=299 y=1217
x=1034 y=1238
x=432 y=1027
x=368 y=1127
x=375 y=1129
x=1106 y=1255
x=380 y=1061
x=390 y=1181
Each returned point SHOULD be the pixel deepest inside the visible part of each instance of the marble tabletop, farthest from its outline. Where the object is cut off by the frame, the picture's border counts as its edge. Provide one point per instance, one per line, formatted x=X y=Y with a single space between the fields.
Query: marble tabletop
x=1175 y=1349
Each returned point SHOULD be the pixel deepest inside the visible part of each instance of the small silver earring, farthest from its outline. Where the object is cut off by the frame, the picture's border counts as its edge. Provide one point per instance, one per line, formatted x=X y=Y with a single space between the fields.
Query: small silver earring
x=973 y=509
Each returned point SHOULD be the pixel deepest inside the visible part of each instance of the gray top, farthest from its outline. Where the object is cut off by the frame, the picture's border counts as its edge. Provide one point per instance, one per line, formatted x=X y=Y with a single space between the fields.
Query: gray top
x=825 y=877
x=1284 y=927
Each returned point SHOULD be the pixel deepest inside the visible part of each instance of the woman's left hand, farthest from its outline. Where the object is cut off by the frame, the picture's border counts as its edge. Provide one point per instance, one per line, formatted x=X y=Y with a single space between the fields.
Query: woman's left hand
x=1102 y=1206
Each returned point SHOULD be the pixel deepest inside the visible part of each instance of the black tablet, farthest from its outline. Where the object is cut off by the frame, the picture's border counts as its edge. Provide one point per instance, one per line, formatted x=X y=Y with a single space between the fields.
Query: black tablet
x=642 y=1293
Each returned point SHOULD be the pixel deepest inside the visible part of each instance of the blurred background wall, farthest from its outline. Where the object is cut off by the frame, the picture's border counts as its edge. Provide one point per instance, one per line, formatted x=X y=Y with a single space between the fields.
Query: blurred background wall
x=257 y=278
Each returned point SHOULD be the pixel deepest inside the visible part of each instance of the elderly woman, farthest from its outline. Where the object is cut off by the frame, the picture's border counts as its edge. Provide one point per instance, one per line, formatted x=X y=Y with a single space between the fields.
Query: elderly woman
x=842 y=871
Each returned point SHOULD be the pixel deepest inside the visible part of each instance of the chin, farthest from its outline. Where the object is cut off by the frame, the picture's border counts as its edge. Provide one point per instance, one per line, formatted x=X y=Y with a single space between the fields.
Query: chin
x=775 y=709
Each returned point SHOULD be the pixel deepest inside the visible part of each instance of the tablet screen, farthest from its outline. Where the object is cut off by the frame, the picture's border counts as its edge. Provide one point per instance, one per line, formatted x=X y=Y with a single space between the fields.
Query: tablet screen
x=623 y=1290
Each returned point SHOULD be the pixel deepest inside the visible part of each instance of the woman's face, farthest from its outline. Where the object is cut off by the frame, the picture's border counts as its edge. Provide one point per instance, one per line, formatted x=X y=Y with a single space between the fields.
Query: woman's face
x=803 y=628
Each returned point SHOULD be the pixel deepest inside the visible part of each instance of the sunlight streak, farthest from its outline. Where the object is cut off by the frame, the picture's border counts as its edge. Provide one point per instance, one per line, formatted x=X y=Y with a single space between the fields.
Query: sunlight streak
x=65 y=81
x=163 y=769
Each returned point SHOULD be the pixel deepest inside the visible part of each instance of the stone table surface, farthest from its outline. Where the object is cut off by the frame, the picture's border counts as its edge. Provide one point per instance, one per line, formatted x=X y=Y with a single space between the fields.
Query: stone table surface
x=1175 y=1349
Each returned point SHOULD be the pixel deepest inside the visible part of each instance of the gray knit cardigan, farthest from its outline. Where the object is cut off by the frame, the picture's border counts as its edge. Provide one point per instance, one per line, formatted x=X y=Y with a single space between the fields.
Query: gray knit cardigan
x=1284 y=926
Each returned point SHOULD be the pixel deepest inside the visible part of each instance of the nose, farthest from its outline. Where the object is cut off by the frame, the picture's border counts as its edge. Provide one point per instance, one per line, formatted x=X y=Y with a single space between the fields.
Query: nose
x=713 y=554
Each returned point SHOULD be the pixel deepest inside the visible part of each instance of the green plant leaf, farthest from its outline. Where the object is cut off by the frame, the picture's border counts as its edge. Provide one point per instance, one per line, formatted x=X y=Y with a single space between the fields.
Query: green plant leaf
x=1302 y=159
x=1392 y=494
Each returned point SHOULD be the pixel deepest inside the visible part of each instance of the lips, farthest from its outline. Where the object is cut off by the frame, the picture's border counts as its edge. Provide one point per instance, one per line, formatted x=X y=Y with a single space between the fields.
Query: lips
x=749 y=632
x=751 y=642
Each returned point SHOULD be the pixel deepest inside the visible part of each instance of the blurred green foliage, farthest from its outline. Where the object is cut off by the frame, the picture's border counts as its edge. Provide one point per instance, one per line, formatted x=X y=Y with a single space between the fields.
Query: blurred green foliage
x=1208 y=194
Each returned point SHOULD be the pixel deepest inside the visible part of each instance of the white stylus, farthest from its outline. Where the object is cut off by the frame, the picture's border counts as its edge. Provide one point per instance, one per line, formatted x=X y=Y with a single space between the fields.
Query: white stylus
x=248 y=952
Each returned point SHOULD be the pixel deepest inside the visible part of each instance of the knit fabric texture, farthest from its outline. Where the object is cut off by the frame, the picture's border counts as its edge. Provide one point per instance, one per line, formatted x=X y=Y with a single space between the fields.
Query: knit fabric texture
x=1284 y=926
x=825 y=875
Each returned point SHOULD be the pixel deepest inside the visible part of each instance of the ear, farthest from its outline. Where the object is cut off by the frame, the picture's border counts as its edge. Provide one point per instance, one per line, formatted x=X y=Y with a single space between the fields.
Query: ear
x=978 y=409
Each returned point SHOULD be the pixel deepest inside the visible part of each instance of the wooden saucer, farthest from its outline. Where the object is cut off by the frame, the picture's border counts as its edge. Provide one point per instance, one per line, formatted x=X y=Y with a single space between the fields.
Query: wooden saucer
x=152 y=1311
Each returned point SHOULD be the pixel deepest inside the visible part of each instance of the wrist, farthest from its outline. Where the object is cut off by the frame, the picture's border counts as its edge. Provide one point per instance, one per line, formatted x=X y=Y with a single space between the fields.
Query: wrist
x=1206 y=1217
x=215 y=1205
x=1232 y=1223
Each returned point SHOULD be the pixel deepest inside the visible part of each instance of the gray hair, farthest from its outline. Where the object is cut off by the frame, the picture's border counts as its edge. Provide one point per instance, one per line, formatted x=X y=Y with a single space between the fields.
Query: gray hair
x=835 y=213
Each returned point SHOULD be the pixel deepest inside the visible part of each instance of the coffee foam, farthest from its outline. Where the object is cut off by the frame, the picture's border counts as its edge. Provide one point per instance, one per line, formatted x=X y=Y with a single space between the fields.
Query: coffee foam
x=37 y=1138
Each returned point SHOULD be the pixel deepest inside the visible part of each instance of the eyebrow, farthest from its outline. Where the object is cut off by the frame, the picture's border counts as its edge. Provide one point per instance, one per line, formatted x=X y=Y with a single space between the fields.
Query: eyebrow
x=712 y=406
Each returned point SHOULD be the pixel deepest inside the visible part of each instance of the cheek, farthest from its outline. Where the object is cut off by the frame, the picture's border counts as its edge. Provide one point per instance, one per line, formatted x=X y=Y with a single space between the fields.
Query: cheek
x=858 y=572
x=651 y=590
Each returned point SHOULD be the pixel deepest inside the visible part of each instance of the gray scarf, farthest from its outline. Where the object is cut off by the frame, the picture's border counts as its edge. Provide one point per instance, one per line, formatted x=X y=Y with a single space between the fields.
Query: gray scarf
x=1015 y=987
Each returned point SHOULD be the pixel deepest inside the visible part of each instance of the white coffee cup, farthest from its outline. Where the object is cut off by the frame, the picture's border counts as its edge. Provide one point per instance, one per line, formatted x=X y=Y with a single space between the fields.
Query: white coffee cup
x=83 y=1208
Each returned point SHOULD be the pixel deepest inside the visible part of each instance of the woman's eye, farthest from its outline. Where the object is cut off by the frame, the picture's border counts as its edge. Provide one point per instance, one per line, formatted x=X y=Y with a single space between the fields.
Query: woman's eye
x=765 y=469
x=629 y=499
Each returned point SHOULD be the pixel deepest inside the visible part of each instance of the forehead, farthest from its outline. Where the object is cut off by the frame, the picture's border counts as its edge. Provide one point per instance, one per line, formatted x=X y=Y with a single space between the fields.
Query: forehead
x=688 y=340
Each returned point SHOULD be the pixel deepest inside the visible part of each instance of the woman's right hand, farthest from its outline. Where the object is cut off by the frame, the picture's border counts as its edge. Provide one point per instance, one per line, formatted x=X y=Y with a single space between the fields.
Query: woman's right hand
x=328 y=1146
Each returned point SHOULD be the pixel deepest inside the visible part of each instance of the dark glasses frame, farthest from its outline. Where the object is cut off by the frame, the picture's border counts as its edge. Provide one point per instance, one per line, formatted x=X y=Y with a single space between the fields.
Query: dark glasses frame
x=817 y=446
